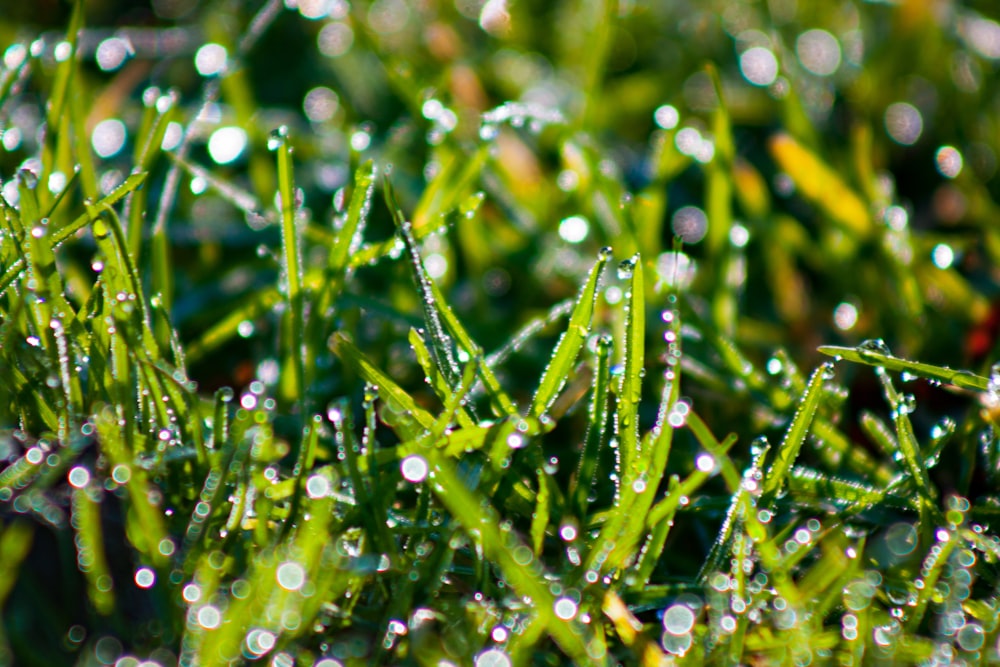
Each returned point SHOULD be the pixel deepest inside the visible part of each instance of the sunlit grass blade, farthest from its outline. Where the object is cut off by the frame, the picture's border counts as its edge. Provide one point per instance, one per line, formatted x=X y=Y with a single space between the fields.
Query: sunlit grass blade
x=822 y=185
x=788 y=451
x=412 y=419
x=597 y=423
x=435 y=379
x=90 y=546
x=629 y=629
x=60 y=235
x=632 y=459
x=510 y=554
x=445 y=191
x=144 y=522
x=441 y=344
x=570 y=342
x=293 y=387
x=630 y=388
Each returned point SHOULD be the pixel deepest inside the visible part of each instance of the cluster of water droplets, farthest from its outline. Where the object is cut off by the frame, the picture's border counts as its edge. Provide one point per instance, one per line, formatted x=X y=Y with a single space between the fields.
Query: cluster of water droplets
x=518 y=114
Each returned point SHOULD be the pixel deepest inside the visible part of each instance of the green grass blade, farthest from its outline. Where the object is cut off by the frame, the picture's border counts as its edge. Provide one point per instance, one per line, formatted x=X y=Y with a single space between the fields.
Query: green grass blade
x=861 y=355
x=597 y=427
x=293 y=380
x=794 y=437
x=412 y=419
x=568 y=348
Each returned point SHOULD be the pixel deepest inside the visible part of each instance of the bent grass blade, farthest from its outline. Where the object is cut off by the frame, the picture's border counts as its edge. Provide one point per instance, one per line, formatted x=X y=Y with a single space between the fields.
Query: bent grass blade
x=959 y=378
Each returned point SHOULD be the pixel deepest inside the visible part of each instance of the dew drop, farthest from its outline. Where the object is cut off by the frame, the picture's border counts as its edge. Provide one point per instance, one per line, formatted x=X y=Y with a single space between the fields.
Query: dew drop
x=277 y=138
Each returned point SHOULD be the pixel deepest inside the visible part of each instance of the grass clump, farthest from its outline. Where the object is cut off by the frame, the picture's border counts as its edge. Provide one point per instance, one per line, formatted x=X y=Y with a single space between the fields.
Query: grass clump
x=412 y=333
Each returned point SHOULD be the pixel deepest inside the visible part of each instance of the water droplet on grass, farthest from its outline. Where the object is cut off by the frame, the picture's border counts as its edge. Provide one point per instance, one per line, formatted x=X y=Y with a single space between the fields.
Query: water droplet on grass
x=627 y=267
x=277 y=138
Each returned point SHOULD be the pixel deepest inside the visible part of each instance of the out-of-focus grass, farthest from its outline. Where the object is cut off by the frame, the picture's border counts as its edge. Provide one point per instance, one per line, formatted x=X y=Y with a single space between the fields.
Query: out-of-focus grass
x=534 y=333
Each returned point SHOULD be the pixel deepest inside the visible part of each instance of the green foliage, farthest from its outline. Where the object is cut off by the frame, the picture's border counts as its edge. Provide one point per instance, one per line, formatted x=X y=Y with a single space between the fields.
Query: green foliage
x=312 y=350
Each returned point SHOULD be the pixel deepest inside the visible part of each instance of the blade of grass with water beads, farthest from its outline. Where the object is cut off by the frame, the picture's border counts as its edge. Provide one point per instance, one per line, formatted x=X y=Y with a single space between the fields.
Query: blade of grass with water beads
x=446 y=191
x=582 y=484
x=959 y=378
x=59 y=236
x=441 y=344
x=144 y=520
x=89 y=543
x=627 y=412
x=347 y=237
x=434 y=377
x=564 y=357
x=501 y=402
x=509 y=554
x=292 y=385
x=56 y=119
x=788 y=451
x=807 y=485
x=410 y=419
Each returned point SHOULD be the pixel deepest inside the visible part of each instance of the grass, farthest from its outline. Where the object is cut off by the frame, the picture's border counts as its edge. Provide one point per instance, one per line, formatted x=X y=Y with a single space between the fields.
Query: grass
x=555 y=334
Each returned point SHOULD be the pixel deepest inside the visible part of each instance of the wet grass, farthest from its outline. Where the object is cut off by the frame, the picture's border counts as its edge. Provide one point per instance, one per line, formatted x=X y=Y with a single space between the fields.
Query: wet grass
x=399 y=335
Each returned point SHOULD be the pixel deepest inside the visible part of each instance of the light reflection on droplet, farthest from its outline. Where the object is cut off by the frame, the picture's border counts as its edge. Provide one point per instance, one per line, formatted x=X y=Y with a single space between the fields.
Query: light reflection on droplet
x=705 y=462
x=565 y=609
x=493 y=658
x=574 y=229
x=112 y=53
x=818 y=51
x=291 y=576
x=14 y=56
x=145 y=577
x=361 y=140
x=666 y=117
x=210 y=59
x=79 y=477
x=845 y=316
x=690 y=224
x=970 y=637
x=318 y=486
x=943 y=256
x=759 y=66
x=108 y=137
x=320 y=104
x=982 y=34
x=62 y=52
x=949 y=161
x=896 y=217
x=314 y=9
x=259 y=641
x=739 y=235
x=676 y=269
x=414 y=468
x=226 y=144
x=904 y=123
x=436 y=265
x=901 y=539
x=12 y=138
x=335 y=39
x=172 y=136
x=388 y=16
x=494 y=18
x=209 y=617
x=678 y=619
